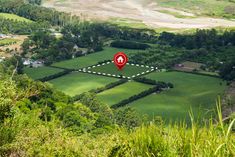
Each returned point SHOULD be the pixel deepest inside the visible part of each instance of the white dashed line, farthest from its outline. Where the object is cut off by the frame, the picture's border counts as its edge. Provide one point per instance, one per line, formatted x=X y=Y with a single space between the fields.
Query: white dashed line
x=150 y=69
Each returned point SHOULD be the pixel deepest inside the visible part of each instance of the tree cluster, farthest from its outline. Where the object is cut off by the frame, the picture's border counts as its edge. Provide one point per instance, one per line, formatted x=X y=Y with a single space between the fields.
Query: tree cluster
x=35 y=12
x=18 y=27
x=129 y=45
x=203 y=38
x=227 y=70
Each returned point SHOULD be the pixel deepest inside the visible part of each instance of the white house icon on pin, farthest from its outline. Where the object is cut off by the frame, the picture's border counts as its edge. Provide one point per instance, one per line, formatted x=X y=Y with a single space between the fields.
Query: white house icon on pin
x=120 y=59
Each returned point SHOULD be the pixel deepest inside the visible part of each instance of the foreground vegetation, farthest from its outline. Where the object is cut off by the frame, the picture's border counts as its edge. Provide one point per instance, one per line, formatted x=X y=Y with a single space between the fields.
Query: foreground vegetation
x=33 y=128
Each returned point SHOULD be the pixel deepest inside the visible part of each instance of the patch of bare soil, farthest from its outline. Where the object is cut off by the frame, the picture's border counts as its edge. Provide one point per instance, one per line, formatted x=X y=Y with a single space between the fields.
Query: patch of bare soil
x=145 y=10
x=10 y=50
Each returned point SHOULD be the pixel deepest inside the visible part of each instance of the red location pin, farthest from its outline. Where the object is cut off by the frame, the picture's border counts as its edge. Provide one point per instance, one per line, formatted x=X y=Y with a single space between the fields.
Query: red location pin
x=120 y=59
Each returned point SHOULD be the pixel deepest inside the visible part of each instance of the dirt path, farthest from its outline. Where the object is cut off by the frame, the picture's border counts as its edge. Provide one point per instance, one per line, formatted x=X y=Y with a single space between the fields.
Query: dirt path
x=145 y=10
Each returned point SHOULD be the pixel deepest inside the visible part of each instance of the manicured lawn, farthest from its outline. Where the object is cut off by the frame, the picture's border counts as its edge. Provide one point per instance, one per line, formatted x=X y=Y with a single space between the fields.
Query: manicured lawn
x=91 y=59
x=41 y=72
x=124 y=91
x=14 y=17
x=77 y=83
x=128 y=70
x=190 y=91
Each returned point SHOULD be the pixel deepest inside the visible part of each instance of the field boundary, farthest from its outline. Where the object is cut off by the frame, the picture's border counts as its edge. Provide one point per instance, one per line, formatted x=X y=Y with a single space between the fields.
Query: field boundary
x=195 y=73
x=89 y=70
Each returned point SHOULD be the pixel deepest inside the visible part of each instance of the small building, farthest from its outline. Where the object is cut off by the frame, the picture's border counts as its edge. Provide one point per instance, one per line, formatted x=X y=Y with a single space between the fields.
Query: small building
x=180 y=65
x=2 y=59
x=2 y=36
x=26 y=62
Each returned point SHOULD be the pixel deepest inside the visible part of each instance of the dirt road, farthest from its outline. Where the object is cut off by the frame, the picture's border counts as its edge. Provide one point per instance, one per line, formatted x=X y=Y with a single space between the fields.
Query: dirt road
x=146 y=11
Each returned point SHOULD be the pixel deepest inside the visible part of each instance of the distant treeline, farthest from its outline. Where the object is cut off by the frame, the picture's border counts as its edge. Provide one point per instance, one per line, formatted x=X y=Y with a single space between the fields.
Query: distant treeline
x=203 y=38
x=129 y=45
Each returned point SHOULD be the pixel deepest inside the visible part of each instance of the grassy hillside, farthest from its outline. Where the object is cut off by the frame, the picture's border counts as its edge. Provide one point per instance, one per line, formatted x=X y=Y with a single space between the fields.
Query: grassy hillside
x=190 y=91
x=14 y=17
x=220 y=8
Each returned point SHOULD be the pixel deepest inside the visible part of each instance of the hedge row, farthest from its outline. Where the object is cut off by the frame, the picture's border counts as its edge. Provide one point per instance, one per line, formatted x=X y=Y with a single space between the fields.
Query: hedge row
x=156 y=89
x=153 y=82
x=135 y=97
x=196 y=73
x=51 y=77
x=99 y=90
x=129 y=45
x=109 y=86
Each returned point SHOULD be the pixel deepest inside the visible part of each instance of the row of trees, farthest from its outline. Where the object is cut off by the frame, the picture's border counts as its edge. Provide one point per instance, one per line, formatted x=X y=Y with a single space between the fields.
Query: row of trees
x=154 y=82
x=129 y=45
x=109 y=86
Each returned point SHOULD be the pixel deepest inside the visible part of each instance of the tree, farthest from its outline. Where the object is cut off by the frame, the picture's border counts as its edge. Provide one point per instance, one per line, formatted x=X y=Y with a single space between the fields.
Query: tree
x=127 y=117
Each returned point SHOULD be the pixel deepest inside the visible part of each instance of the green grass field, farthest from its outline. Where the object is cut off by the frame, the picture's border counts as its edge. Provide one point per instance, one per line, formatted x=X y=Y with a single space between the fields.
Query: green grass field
x=190 y=91
x=77 y=83
x=91 y=59
x=201 y=7
x=122 y=92
x=9 y=41
x=38 y=73
x=128 y=70
x=14 y=17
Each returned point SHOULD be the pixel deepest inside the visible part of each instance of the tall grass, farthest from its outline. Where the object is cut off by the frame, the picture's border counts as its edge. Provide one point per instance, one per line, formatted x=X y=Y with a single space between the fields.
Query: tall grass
x=212 y=139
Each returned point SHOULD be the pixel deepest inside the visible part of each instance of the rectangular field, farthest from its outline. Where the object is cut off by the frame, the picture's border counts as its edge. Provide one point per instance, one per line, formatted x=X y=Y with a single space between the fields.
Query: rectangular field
x=124 y=91
x=41 y=72
x=91 y=59
x=190 y=92
x=128 y=70
x=77 y=83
